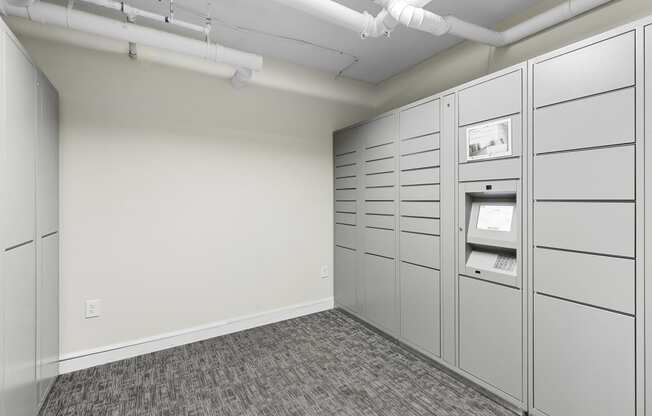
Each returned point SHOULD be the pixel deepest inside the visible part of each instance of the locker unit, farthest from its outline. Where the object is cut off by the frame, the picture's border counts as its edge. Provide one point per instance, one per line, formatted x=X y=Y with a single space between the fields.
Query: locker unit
x=347 y=150
x=380 y=252
x=29 y=256
x=419 y=236
x=387 y=223
x=584 y=238
x=491 y=292
x=517 y=228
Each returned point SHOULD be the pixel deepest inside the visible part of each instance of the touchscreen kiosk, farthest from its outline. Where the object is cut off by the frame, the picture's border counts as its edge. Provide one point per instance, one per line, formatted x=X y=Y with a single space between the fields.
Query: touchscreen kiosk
x=493 y=233
x=491 y=237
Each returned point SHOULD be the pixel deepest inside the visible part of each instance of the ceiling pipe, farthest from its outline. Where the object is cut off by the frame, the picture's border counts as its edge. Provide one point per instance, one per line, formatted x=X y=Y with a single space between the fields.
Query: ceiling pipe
x=411 y=13
x=133 y=12
x=363 y=23
x=66 y=17
x=20 y=3
x=427 y=21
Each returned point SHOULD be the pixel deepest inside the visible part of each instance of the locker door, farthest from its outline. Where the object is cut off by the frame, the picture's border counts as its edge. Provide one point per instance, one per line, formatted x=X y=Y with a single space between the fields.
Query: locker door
x=648 y=210
x=19 y=146
x=48 y=159
x=2 y=277
x=19 y=301
x=47 y=274
x=48 y=313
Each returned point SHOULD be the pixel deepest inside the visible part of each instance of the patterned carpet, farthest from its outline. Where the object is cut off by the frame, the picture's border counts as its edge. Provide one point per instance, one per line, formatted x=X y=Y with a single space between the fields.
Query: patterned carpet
x=322 y=364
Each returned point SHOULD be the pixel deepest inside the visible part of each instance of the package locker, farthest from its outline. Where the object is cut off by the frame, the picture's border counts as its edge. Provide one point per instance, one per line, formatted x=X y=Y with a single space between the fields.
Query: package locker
x=419 y=236
x=585 y=228
x=29 y=259
x=491 y=302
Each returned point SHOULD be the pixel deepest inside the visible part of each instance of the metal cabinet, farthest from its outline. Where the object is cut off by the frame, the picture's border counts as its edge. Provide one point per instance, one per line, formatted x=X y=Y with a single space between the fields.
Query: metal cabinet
x=648 y=224
x=47 y=313
x=47 y=158
x=564 y=334
x=594 y=227
x=19 y=143
x=564 y=77
x=347 y=169
x=597 y=120
x=491 y=324
x=346 y=276
x=29 y=259
x=491 y=334
x=47 y=236
x=604 y=281
x=365 y=193
x=420 y=307
x=380 y=292
x=419 y=120
x=584 y=360
x=492 y=98
x=19 y=302
x=596 y=174
x=586 y=210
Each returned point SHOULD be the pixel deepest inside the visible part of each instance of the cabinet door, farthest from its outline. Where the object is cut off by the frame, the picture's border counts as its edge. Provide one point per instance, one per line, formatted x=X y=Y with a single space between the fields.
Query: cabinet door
x=490 y=334
x=346 y=272
x=648 y=192
x=420 y=307
x=48 y=312
x=19 y=302
x=380 y=292
x=48 y=159
x=19 y=146
x=584 y=361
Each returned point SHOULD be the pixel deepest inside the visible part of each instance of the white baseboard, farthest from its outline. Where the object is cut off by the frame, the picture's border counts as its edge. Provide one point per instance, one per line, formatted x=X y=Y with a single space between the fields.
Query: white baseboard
x=110 y=353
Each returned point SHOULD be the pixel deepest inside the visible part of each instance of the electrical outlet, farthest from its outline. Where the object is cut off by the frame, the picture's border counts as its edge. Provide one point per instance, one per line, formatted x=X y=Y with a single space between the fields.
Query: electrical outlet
x=93 y=308
x=323 y=272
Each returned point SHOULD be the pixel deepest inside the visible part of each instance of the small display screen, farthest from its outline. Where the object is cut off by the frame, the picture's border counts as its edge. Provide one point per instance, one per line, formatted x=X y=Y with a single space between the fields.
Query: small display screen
x=489 y=140
x=495 y=217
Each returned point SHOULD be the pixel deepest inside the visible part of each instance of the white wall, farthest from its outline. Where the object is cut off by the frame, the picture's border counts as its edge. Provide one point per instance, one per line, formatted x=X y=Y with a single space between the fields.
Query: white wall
x=185 y=201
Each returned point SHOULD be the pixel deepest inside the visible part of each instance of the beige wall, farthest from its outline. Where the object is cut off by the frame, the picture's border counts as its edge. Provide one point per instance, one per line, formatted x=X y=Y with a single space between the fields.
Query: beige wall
x=468 y=61
x=185 y=201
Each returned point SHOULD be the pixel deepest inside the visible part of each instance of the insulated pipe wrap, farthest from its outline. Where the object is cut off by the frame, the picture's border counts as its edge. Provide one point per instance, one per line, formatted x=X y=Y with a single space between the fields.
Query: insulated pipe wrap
x=417 y=18
x=47 y=13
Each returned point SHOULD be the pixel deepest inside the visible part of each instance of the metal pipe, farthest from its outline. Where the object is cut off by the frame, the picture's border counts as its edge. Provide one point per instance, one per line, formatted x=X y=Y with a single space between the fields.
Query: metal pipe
x=48 y=13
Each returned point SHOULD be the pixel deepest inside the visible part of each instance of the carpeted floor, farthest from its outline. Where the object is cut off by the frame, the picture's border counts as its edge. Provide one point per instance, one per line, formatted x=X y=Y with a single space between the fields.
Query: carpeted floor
x=322 y=364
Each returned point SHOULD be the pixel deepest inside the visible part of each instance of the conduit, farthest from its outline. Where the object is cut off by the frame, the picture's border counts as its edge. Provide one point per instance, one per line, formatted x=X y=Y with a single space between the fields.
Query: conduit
x=133 y=12
x=244 y=63
x=424 y=20
x=411 y=13
x=363 y=23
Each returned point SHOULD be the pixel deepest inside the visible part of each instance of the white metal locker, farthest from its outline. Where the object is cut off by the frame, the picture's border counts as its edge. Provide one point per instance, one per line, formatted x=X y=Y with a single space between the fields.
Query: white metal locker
x=19 y=300
x=47 y=313
x=19 y=146
x=48 y=158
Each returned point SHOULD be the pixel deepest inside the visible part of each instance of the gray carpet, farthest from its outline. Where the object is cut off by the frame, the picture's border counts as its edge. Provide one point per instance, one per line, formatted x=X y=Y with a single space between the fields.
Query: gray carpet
x=323 y=364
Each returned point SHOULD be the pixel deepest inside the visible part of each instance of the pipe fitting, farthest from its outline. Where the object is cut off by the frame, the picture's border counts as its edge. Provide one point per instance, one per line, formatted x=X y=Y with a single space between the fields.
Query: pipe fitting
x=376 y=26
x=417 y=17
x=241 y=76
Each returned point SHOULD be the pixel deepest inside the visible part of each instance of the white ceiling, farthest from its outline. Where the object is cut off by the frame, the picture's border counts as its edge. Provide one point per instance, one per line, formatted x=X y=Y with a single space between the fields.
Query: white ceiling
x=263 y=26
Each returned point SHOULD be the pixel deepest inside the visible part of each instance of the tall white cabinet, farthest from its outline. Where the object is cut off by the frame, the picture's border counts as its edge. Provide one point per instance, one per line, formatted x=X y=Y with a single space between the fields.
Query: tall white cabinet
x=29 y=240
